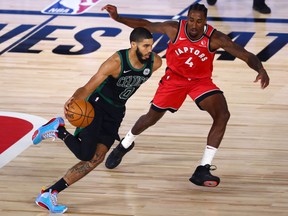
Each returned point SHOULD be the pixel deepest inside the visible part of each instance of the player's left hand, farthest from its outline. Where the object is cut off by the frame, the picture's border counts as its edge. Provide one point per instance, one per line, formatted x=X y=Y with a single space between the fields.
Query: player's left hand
x=263 y=77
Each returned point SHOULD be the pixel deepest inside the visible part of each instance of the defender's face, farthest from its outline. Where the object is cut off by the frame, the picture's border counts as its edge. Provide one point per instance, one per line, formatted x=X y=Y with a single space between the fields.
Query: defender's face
x=195 y=24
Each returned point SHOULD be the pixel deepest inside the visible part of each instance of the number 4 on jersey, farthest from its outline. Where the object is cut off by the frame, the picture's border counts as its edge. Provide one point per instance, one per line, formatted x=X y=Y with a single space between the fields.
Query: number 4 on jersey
x=189 y=62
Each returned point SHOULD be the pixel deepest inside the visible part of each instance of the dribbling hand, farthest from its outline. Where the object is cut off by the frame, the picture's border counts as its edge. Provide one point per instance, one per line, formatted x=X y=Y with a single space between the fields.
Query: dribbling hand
x=66 y=105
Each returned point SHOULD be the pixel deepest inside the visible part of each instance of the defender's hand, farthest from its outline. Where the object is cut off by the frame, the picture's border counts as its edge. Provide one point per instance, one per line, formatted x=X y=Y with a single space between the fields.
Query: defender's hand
x=263 y=76
x=112 y=10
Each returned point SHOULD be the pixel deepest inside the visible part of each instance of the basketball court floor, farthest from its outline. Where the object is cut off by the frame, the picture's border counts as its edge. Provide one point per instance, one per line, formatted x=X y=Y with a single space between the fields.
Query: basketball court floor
x=45 y=56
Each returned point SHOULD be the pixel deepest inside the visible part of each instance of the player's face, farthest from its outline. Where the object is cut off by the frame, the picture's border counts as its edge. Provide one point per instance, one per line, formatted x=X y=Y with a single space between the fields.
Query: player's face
x=144 y=49
x=195 y=24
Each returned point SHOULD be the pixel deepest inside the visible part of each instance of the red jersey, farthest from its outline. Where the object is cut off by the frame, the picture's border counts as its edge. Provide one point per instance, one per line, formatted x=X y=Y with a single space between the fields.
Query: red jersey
x=188 y=58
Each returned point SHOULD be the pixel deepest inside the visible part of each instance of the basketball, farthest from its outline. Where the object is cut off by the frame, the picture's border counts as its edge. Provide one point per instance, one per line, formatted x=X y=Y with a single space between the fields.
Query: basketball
x=80 y=113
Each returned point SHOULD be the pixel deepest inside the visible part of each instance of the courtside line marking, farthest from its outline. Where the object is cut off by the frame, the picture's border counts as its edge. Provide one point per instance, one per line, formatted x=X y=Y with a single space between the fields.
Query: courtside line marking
x=22 y=144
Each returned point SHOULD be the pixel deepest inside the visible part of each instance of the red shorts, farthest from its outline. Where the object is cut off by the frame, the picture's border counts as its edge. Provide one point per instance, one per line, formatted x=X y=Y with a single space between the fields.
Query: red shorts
x=173 y=90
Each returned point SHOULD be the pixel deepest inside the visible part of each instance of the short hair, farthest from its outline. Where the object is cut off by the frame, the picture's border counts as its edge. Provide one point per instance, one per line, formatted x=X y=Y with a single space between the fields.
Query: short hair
x=139 y=34
x=198 y=7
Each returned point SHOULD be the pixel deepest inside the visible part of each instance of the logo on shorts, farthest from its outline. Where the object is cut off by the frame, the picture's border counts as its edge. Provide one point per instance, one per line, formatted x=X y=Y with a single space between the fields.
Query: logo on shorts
x=70 y=7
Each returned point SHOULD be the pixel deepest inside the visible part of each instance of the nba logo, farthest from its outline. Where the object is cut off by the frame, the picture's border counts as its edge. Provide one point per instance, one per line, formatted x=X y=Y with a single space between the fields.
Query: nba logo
x=70 y=7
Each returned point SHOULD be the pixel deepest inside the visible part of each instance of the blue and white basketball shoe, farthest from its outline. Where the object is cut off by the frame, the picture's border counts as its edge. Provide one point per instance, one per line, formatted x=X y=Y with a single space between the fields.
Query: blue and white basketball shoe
x=48 y=200
x=48 y=130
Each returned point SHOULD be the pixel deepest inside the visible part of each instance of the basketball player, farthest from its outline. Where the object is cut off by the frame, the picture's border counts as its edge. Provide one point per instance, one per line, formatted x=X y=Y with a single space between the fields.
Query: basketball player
x=108 y=90
x=189 y=57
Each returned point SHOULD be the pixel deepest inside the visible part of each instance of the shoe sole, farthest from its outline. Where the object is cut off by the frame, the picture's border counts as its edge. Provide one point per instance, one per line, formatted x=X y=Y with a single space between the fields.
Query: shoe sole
x=210 y=183
x=42 y=205
x=205 y=183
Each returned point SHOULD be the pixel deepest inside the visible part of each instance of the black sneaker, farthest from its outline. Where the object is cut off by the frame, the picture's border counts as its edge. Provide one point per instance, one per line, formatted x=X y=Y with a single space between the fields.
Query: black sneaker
x=263 y=8
x=203 y=177
x=115 y=157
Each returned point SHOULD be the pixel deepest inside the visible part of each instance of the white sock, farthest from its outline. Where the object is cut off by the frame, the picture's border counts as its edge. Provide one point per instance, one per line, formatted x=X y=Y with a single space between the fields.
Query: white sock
x=208 y=155
x=128 y=139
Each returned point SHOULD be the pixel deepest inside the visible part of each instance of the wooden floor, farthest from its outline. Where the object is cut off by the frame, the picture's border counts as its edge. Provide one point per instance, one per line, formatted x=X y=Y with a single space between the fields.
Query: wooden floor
x=153 y=178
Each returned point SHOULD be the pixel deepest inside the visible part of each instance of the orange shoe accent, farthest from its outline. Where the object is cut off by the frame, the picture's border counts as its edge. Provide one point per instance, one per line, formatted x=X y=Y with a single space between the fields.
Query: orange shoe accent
x=210 y=183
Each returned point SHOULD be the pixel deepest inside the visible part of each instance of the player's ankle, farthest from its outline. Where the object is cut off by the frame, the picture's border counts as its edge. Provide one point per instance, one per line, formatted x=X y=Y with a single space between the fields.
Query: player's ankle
x=128 y=140
x=62 y=133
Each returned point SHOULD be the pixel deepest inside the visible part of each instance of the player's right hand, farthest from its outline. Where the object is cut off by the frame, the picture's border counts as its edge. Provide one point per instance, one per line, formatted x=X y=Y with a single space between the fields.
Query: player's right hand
x=112 y=10
x=66 y=105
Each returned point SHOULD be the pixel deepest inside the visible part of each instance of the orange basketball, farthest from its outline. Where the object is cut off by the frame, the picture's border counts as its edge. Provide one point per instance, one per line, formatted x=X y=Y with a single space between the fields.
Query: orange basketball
x=80 y=113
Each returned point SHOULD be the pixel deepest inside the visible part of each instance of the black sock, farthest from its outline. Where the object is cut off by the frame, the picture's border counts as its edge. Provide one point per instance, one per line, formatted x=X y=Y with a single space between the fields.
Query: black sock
x=58 y=186
x=63 y=133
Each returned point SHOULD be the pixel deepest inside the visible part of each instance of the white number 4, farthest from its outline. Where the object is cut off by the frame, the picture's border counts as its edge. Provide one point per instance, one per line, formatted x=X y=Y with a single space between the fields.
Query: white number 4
x=189 y=62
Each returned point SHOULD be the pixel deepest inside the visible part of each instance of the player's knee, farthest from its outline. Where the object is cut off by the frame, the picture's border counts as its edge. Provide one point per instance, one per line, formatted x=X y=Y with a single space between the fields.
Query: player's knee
x=225 y=116
x=85 y=156
x=221 y=117
x=97 y=159
x=100 y=158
